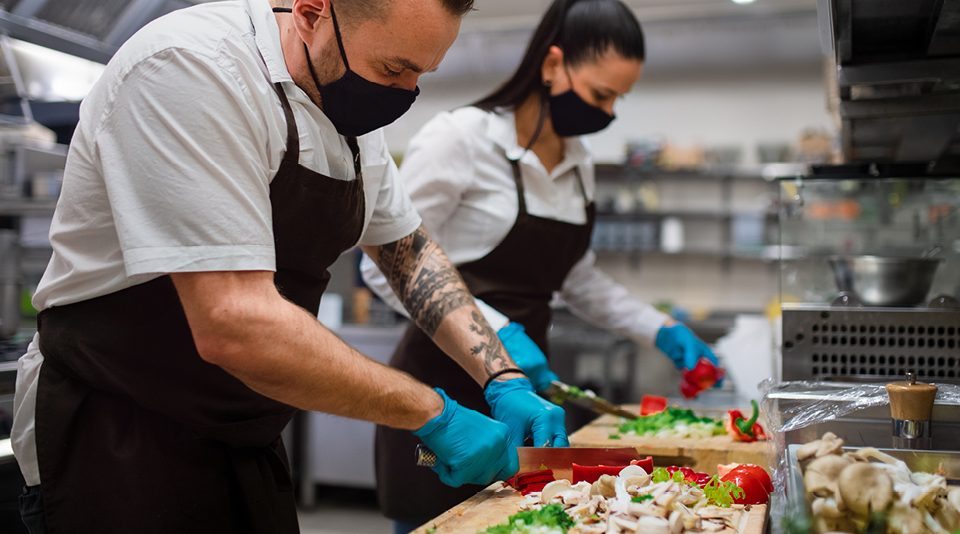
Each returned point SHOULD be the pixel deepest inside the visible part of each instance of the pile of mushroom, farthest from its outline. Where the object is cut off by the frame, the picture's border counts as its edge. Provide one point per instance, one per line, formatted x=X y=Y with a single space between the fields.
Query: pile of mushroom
x=606 y=507
x=846 y=489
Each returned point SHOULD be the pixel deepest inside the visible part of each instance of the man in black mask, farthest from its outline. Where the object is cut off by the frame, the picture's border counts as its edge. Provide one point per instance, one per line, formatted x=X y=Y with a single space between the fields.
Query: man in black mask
x=225 y=160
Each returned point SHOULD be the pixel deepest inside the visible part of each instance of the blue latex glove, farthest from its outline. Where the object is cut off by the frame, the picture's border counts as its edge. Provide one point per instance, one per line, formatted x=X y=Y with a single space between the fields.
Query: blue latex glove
x=682 y=346
x=527 y=355
x=471 y=448
x=515 y=403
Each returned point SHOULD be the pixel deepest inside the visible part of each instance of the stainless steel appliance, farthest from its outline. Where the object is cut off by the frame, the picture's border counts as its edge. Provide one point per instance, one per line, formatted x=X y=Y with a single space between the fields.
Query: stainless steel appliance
x=859 y=302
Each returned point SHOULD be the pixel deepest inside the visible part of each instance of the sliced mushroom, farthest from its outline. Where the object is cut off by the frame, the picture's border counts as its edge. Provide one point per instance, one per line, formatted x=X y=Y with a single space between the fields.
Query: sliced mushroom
x=553 y=489
x=626 y=524
x=632 y=471
x=676 y=522
x=605 y=486
x=865 y=488
x=653 y=525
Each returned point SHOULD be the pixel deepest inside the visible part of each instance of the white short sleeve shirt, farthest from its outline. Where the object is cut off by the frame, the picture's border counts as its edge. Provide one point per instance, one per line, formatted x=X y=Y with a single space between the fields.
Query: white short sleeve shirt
x=170 y=168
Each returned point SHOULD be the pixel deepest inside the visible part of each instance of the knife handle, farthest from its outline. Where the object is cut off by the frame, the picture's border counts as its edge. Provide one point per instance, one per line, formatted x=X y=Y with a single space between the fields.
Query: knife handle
x=425 y=457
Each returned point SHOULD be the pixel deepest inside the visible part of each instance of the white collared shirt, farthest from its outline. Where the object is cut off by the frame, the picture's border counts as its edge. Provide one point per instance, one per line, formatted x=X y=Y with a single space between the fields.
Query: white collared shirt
x=170 y=168
x=457 y=172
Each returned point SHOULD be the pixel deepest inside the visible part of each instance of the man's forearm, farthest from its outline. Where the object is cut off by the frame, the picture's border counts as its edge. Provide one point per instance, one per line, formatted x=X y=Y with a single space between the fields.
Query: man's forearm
x=438 y=300
x=280 y=351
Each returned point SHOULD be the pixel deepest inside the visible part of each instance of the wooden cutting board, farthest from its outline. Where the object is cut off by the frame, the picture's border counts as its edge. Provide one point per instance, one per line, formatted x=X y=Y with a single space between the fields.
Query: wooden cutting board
x=699 y=454
x=496 y=503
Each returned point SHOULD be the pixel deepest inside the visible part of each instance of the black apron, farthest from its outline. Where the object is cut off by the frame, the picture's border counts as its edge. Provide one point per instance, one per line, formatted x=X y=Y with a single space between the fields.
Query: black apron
x=518 y=279
x=136 y=433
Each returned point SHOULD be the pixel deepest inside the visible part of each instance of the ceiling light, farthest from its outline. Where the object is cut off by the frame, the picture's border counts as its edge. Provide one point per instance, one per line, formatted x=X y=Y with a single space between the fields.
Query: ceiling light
x=744 y=1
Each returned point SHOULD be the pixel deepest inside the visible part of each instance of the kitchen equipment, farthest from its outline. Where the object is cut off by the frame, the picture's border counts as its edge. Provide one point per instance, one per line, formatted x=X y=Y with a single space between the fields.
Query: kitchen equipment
x=885 y=281
x=911 y=405
x=596 y=404
x=883 y=325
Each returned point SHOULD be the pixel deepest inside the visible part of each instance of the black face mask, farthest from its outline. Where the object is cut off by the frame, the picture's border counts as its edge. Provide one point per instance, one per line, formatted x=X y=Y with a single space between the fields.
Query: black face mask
x=354 y=105
x=573 y=116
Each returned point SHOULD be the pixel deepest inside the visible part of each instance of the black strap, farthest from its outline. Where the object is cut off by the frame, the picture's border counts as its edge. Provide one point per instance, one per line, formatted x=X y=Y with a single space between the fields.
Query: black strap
x=293 y=135
x=499 y=373
x=583 y=189
x=355 y=150
x=518 y=178
x=336 y=29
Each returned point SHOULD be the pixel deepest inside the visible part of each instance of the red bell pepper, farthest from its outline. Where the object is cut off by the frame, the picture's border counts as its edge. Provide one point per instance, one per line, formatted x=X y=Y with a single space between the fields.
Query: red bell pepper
x=743 y=429
x=646 y=464
x=651 y=404
x=753 y=480
x=592 y=473
x=701 y=377
x=534 y=487
x=533 y=477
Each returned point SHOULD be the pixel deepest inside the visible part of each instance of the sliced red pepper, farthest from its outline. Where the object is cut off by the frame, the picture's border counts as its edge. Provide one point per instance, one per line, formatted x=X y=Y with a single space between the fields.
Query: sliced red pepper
x=743 y=429
x=646 y=464
x=651 y=404
x=701 y=377
x=591 y=474
x=754 y=481
x=523 y=479
x=534 y=487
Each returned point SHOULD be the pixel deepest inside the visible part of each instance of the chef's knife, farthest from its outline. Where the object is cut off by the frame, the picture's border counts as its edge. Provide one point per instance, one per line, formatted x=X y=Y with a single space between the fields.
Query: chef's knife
x=596 y=404
x=559 y=459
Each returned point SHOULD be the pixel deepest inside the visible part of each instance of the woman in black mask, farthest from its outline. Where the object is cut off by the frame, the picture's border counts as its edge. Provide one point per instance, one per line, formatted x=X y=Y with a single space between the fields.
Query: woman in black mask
x=506 y=187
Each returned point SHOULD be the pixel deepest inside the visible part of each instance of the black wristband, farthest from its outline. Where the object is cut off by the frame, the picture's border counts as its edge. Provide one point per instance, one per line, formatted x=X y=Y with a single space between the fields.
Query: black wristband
x=501 y=372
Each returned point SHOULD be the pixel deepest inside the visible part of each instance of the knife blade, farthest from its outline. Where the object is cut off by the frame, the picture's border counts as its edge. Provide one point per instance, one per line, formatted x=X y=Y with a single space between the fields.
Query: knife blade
x=559 y=459
x=595 y=404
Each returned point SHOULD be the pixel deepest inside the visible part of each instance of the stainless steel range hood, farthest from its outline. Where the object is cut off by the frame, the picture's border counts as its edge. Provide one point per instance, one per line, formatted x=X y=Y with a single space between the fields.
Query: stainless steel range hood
x=898 y=77
x=91 y=29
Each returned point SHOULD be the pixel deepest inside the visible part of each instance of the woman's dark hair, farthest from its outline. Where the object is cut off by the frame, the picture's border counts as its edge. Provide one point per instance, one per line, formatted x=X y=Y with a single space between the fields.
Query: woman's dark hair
x=584 y=30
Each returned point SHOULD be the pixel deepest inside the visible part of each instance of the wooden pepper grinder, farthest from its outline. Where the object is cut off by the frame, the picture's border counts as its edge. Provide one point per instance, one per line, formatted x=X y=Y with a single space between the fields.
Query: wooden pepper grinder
x=911 y=405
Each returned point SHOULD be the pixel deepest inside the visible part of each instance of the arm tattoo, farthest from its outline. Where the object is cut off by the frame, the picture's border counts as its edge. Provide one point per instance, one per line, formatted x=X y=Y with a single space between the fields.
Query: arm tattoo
x=424 y=279
x=491 y=348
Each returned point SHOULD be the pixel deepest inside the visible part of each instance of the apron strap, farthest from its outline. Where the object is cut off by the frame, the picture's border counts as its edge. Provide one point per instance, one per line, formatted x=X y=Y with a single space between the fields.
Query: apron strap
x=293 y=135
x=583 y=189
x=518 y=178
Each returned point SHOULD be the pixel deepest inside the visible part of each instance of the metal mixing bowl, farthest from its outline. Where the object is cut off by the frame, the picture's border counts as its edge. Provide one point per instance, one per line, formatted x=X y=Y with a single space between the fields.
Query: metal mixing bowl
x=885 y=281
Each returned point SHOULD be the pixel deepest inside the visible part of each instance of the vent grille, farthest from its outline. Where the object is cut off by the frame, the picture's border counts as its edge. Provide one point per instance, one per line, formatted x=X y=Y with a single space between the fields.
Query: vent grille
x=829 y=344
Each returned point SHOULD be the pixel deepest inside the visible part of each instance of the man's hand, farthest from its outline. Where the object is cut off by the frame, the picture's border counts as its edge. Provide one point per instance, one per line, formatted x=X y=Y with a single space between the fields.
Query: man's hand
x=527 y=355
x=527 y=414
x=471 y=448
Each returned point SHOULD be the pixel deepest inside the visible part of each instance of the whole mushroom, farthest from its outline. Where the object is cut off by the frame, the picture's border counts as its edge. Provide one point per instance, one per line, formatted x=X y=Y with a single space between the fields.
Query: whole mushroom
x=821 y=475
x=865 y=488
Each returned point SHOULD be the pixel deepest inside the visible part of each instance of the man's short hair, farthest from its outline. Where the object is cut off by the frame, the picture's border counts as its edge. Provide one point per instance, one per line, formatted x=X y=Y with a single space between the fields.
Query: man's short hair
x=361 y=10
